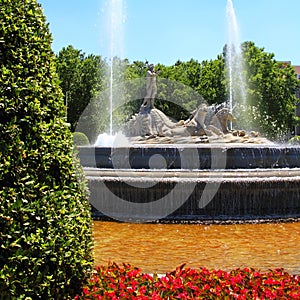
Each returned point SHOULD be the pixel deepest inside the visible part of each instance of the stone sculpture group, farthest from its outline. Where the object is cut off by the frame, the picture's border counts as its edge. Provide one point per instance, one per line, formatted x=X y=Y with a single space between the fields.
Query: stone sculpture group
x=207 y=123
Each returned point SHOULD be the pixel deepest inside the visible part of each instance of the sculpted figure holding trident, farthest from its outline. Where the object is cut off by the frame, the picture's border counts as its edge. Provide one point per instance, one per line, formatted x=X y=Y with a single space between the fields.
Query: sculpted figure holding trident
x=151 y=89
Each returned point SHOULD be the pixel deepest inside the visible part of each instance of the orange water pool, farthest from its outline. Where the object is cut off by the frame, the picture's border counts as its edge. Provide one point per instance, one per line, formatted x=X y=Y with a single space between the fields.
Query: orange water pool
x=161 y=247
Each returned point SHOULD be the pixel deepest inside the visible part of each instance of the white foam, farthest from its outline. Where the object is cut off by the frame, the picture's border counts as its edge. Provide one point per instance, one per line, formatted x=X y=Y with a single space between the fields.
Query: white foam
x=105 y=140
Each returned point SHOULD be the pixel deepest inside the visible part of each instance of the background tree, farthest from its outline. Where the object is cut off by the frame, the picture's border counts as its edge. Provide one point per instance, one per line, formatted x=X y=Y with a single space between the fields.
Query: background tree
x=271 y=92
x=179 y=86
x=212 y=83
x=265 y=103
x=45 y=217
x=135 y=74
x=82 y=77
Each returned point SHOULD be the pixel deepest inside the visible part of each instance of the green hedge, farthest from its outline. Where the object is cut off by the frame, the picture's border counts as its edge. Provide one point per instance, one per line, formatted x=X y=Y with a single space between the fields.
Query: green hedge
x=80 y=139
x=45 y=221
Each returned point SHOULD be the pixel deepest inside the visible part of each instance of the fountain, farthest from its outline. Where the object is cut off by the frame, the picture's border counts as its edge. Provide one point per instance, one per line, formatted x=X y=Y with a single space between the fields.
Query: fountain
x=197 y=169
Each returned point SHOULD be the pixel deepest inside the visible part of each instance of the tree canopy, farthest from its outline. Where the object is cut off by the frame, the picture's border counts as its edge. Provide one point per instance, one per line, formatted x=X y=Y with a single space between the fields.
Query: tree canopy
x=81 y=77
x=270 y=95
x=265 y=101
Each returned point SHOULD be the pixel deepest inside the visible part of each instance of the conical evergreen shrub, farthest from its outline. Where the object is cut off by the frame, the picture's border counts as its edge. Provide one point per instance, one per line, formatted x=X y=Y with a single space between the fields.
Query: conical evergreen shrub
x=45 y=222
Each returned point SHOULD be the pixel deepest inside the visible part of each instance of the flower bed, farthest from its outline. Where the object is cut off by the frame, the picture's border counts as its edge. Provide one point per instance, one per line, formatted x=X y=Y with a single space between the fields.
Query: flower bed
x=127 y=282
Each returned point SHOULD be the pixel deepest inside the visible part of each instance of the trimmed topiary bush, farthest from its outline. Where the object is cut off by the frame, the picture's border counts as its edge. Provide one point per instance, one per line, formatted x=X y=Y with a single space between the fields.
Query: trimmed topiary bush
x=80 y=139
x=45 y=221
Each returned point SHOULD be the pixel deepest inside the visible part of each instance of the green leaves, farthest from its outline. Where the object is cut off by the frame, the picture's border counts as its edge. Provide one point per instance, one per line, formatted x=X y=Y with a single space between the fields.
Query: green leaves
x=45 y=252
x=81 y=77
x=271 y=91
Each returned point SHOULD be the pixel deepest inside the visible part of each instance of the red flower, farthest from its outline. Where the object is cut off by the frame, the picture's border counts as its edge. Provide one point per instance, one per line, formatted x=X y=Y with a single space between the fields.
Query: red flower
x=126 y=282
x=86 y=291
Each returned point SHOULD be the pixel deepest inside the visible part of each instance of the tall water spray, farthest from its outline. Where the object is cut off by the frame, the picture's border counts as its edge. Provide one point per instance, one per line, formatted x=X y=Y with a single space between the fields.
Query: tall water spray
x=116 y=24
x=234 y=58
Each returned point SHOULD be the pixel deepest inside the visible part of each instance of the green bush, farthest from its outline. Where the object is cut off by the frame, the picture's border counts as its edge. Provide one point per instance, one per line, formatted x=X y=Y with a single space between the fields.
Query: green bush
x=45 y=221
x=294 y=140
x=80 y=139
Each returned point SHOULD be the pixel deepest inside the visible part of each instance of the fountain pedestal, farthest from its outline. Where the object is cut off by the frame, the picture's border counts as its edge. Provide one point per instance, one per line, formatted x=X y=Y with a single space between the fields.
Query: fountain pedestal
x=239 y=182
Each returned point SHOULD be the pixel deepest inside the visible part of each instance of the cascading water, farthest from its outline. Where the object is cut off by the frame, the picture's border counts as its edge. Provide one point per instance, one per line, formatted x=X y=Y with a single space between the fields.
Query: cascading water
x=234 y=59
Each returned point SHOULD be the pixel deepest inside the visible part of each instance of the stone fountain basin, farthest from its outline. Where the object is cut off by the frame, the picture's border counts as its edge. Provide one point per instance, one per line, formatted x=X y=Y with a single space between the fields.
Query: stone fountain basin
x=260 y=194
x=189 y=156
x=248 y=182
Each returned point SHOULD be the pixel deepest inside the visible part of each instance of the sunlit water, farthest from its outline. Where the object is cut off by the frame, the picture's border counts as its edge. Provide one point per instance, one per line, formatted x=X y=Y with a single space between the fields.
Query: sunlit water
x=234 y=59
x=105 y=140
x=160 y=247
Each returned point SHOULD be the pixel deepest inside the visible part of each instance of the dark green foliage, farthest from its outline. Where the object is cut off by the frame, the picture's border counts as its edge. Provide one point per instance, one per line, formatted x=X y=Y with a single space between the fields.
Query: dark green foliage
x=80 y=139
x=81 y=77
x=178 y=94
x=271 y=91
x=45 y=237
x=212 y=85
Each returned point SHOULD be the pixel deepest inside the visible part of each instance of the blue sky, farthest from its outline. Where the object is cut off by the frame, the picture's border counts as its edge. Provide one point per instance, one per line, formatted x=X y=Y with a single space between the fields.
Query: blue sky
x=163 y=31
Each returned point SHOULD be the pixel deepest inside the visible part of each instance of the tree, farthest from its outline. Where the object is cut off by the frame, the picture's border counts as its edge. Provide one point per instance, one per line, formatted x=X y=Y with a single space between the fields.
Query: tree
x=268 y=89
x=45 y=220
x=271 y=91
x=179 y=86
x=82 y=77
x=212 y=83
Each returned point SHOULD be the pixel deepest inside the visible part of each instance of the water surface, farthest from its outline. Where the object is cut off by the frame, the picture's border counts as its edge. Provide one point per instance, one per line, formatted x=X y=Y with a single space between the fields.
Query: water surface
x=161 y=247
